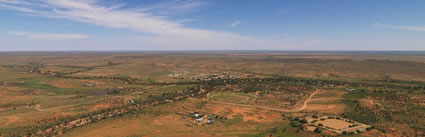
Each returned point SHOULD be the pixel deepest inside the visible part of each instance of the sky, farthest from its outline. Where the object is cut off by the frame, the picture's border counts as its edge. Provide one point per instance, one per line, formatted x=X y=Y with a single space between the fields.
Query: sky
x=127 y=25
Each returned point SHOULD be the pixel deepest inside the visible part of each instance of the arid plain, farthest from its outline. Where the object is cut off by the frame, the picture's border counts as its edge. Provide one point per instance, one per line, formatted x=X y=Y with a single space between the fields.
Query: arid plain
x=240 y=93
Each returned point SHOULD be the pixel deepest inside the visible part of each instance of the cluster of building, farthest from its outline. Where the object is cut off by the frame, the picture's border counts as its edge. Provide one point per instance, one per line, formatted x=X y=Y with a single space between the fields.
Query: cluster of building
x=132 y=100
x=350 y=89
x=89 y=84
x=176 y=75
x=202 y=118
x=179 y=74
x=212 y=76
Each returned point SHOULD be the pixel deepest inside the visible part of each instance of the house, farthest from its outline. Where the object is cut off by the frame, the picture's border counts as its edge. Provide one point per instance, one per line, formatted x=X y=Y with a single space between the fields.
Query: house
x=90 y=85
x=196 y=115
x=199 y=120
x=350 y=89
x=132 y=100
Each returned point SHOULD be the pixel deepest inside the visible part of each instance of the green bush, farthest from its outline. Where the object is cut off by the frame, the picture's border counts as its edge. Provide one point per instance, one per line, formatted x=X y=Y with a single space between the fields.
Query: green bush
x=317 y=130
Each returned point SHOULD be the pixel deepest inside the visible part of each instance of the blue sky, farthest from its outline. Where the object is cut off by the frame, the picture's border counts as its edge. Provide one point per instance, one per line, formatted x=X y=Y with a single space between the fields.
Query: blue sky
x=61 y=25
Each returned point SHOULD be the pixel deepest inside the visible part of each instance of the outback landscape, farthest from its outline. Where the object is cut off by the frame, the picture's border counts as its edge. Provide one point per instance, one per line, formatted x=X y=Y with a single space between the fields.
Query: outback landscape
x=212 y=68
x=212 y=93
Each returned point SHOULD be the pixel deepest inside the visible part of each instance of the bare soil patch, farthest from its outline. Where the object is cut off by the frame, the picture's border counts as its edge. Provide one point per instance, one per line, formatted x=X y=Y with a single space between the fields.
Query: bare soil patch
x=335 y=123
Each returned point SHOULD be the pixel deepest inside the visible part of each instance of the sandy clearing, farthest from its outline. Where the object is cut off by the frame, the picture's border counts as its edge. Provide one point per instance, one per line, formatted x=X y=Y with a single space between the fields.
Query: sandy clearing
x=335 y=123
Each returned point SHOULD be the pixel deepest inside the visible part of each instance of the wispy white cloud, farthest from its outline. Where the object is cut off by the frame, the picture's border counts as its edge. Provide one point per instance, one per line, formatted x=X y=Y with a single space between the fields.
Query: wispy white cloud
x=236 y=23
x=412 y=28
x=47 y=36
x=173 y=7
x=164 y=33
x=90 y=11
x=14 y=2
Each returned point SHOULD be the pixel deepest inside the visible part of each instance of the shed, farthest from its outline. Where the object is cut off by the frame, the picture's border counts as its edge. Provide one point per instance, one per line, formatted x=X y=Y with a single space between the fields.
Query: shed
x=199 y=119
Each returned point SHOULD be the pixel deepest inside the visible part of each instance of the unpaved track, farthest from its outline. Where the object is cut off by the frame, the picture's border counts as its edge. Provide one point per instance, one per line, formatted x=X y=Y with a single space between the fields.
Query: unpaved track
x=306 y=101
x=209 y=97
x=269 y=108
x=48 y=109
x=320 y=99
x=13 y=119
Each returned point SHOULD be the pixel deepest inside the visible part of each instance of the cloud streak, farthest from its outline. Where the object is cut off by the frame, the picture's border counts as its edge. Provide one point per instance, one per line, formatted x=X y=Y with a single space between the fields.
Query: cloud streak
x=47 y=36
x=136 y=19
x=173 y=7
x=163 y=33
x=412 y=28
x=236 y=23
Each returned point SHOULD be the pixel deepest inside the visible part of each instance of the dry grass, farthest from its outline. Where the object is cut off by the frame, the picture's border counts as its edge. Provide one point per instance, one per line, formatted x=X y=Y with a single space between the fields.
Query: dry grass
x=59 y=97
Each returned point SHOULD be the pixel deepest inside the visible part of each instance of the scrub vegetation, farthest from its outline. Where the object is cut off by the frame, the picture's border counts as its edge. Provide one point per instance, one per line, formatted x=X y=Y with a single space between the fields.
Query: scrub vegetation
x=234 y=94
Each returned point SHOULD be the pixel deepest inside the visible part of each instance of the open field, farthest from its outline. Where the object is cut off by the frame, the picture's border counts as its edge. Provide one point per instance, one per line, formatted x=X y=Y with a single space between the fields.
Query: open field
x=243 y=93
x=232 y=97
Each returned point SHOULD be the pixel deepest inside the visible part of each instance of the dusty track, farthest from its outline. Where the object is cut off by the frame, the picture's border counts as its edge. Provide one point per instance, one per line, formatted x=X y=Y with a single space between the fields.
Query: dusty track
x=269 y=108
x=319 y=99
x=48 y=109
